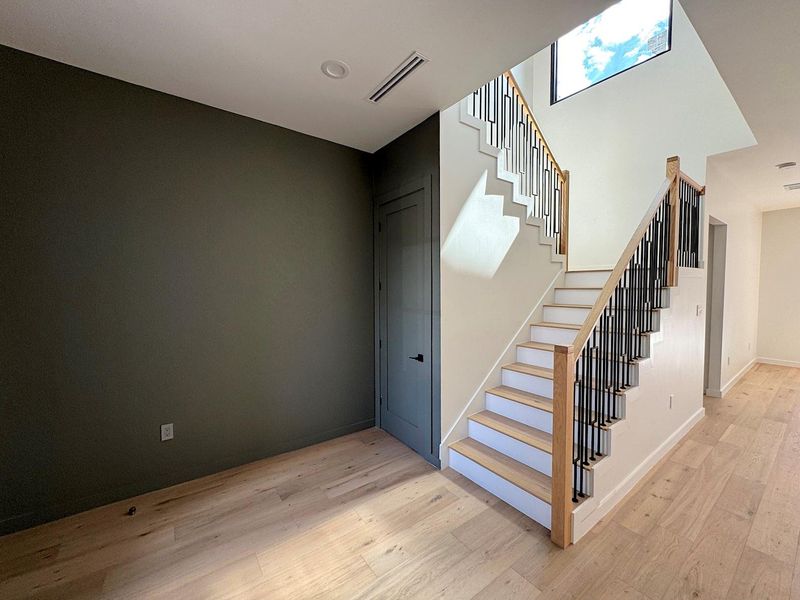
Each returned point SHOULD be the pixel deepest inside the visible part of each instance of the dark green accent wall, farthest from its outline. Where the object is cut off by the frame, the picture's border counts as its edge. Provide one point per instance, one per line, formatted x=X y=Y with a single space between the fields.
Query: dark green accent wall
x=163 y=261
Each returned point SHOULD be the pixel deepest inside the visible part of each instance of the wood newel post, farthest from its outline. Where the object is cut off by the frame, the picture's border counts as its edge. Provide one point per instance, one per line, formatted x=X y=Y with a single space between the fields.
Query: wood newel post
x=563 y=429
x=674 y=174
x=564 y=249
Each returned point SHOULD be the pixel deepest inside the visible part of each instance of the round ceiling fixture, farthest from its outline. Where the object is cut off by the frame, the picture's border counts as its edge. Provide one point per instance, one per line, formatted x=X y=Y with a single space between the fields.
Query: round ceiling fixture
x=335 y=69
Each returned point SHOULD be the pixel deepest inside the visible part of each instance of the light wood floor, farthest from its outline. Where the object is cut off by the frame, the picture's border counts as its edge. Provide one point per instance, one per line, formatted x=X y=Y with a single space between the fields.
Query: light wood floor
x=363 y=517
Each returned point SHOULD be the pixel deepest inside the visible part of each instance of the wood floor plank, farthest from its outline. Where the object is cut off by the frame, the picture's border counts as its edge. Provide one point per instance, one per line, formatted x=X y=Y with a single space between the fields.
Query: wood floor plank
x=741 y=496
x=776 y=527
x=709 y=569
x=757 y=460
x=654 y=561
x=692 y=506
x=691 y=453
x=760 y=577
x=641 y=511
x=509 y=585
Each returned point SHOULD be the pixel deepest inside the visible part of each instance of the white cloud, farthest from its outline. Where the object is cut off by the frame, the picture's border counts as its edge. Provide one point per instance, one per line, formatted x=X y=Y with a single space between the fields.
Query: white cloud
x=588 y=46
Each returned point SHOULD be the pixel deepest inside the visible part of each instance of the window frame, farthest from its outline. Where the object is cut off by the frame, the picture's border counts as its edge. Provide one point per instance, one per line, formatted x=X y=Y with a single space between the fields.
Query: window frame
x=554 y=62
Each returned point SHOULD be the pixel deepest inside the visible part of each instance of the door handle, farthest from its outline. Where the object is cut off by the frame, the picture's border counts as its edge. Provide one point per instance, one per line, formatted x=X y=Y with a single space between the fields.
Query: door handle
x=418 y=358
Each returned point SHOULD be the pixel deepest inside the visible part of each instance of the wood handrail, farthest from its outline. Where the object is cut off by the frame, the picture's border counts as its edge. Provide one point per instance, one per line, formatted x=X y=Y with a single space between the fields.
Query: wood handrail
x=619 y=268
x=700 y=188
x=512 y=80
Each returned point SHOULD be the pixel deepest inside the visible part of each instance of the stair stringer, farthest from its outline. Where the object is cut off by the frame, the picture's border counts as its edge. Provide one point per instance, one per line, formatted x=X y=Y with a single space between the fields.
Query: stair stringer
x=634 y=448
x=505 y=175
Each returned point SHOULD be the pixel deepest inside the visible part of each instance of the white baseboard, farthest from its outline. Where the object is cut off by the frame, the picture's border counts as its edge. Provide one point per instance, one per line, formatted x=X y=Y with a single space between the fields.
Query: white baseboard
x=735 y=379
x=581 y=524
x=779 y=361
x=713 y=393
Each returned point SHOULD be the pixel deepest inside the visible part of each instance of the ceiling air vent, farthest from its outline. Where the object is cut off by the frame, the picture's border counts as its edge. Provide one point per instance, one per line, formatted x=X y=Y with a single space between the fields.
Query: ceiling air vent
x=786 y=165
x=792 y=186
x=408 y=66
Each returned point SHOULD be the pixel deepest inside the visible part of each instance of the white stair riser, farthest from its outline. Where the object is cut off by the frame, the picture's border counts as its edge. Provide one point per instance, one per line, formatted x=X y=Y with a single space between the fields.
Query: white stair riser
x=513 y=448
x=644 y=346
x=526 y=503
x=603 y=436
x=586 y=279
x=552 y=335
x=619 y=400
x=534 y=356
x=655 y=318
x=560 y=314
x=588 y=482
x=541 y=386
x=633 y=373
x=583 y=296
x=522 y=413
x=576 y=296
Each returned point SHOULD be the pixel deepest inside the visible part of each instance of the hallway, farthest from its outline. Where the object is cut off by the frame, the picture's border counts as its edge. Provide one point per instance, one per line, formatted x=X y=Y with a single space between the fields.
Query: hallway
x=364 y=517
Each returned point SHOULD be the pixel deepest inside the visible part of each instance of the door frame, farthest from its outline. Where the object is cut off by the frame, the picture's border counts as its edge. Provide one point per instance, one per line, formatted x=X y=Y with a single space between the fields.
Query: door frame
x=715 y=306
x=431 y=249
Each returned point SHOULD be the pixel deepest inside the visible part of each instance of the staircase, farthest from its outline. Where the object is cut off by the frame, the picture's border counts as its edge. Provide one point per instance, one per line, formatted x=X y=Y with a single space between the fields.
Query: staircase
x=545 y=431
x=510 y=445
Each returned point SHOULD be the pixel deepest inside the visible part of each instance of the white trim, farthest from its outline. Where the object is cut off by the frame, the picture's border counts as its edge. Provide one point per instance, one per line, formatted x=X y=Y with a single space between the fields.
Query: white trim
x=592 y=268
x=778 y=361
x=493 y=372
x=713 y=393
x=735 y=379
x=604 y=506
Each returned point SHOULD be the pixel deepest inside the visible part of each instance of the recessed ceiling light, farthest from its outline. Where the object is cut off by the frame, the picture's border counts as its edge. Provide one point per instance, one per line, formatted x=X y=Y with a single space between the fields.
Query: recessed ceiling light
x=786 y=165
x=336 y=69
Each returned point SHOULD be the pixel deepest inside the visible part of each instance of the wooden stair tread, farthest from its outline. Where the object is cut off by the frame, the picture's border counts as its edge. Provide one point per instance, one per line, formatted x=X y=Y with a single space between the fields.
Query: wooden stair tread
x=538 y=346
x=522 y=397
x=530 y=369
x=557 y=325
x=530 y=480
x=585 y=306
x=577 y=287
x=519 y=431
x=590 y=271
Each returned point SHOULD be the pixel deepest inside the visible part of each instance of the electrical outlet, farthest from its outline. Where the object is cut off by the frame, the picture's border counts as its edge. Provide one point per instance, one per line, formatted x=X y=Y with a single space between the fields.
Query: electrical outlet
x=699 y=310
x=167 y=432
x=729 y=361
x=671 y=398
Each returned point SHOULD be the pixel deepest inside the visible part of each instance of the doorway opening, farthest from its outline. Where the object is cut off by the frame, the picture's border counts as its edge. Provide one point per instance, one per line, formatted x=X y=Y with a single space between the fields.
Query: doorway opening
x=715 y=305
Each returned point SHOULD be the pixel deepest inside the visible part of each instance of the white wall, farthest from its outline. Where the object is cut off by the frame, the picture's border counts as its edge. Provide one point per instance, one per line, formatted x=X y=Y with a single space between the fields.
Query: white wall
x=778 y=318
x=494 y=271
x=615 y=137
x=726 y=202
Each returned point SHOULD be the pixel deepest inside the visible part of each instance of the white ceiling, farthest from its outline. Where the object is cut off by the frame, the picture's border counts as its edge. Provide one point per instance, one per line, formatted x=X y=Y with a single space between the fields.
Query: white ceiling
x=756 y=47
x=261 y=58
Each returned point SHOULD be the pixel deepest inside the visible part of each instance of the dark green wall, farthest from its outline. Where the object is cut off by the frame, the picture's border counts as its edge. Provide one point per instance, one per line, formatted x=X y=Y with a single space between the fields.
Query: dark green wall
x=163 y=261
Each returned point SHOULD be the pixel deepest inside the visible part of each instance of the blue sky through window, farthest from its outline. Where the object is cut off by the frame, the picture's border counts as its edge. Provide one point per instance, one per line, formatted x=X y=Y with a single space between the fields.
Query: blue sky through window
x=625 y=34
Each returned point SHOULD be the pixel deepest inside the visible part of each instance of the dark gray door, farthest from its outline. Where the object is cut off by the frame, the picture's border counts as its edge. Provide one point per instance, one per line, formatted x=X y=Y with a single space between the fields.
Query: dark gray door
x=404 y=271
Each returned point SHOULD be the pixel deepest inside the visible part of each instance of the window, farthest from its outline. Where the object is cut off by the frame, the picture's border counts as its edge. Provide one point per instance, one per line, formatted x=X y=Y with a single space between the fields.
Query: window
x=623 y=36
